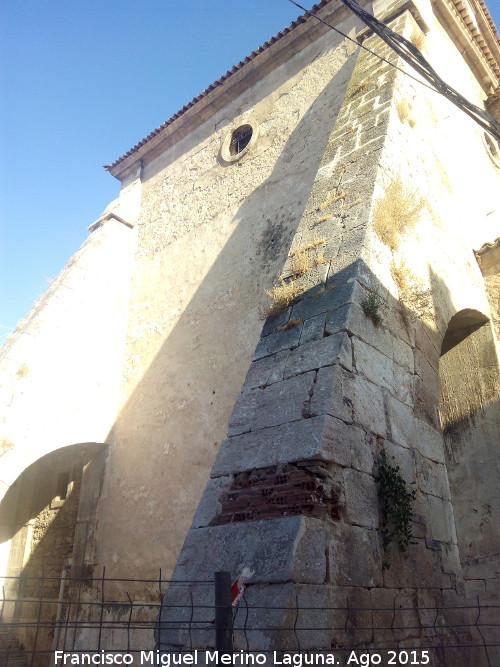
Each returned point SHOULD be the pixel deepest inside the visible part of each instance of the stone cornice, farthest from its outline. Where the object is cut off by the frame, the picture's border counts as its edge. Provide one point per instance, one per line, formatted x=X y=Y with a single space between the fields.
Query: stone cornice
x=472 y=30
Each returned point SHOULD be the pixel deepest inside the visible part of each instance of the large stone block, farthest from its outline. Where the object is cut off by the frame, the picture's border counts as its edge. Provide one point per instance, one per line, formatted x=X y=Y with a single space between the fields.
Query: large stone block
x=354 y=556
x=402 y=457
x=274 y=321
x=349 y=397
x=429 y=441
x=313 y=329
x=419 y=567
x=275 y=550
x=323 y=302
x=439 y=518
x=305 y=607
x=266 y=371
x=277 y=404
x=373 y=365
x=432 y=477
x=277 y=341
x=358 y=627
x=325 y=352
x=333 y=393
x=428 y=344
x=209 y=504
x=396 y=612
x=323 y=437
x=361 y=499
x=402 y=423
x=351 y=318
x=403 y=385
x=368 y=404
x=426 y=399
x=362 y=450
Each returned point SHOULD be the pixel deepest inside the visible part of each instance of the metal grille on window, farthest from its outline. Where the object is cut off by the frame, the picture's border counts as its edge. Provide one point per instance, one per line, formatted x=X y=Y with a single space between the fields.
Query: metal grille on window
x=240 y=139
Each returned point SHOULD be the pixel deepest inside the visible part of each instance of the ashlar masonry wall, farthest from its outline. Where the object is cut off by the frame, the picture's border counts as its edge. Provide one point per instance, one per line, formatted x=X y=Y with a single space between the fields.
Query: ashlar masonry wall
x=329 y=387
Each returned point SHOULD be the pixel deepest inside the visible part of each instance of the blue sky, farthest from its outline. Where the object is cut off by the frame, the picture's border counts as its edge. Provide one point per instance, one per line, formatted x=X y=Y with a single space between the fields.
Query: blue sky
x=82 y=82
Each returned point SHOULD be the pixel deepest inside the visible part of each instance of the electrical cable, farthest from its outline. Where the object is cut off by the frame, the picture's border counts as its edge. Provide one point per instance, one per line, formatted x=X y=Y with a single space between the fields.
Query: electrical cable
x=411 y=55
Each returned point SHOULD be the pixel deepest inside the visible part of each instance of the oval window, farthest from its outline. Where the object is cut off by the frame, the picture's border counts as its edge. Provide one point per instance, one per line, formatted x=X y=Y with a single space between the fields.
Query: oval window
x=238 y=142
x=240 y=139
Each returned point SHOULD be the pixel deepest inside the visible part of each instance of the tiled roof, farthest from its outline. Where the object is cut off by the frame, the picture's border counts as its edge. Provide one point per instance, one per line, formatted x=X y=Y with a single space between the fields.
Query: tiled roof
x=460 y=8
x=488 y=246
x=218 y=82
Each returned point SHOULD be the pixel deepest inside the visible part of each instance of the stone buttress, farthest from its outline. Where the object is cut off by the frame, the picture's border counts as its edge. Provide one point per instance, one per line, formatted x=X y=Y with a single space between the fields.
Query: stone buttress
x=293 y=494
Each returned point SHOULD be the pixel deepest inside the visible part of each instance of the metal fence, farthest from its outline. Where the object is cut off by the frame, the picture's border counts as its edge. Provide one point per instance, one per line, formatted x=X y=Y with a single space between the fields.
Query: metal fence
x=122 y=616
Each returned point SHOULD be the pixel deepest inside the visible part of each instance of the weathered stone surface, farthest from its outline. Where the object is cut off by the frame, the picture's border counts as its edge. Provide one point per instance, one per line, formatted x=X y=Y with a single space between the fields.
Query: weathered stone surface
x=368 y=403
x=275 y=606
x=275 y=321
x=426 y=401
x=333 y=393
x=439 y=518
x=322 y=437
x=432 y=477
x=359 y=620
x=209 y=504
x=279 y=340
x=425 y=341
x=396 y=611
x=402 y=457
x=402 y=354
x=277 y=404
x=349 y=397
x=352 y=319
x=418 y=568
x=426 y=389
x=331 y=300
x=354 y=556
x=267 y=370
x=403 y=385
x=361 y=500
x=401 y=423
x=276 y=550
x=313 y=328
x=373 y=365
x=362 y=450
x=325 y=352
x=429 y=441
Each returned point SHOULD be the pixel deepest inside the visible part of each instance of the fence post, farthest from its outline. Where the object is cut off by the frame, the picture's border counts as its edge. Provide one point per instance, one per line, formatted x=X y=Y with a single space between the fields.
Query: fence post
x=223 y=612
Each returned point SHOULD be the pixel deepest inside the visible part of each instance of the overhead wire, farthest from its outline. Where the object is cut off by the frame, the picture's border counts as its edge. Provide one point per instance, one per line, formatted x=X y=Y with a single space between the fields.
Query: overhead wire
x=411 y=55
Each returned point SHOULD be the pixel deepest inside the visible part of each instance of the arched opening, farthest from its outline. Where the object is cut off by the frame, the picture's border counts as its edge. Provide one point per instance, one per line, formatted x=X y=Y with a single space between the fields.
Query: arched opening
x=48 y=515
x=469 y=411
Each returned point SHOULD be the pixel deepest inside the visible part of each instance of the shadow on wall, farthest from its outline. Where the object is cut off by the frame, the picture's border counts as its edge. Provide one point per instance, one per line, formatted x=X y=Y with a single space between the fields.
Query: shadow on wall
x=355 y=570
x=169 y=430
x=353 y=285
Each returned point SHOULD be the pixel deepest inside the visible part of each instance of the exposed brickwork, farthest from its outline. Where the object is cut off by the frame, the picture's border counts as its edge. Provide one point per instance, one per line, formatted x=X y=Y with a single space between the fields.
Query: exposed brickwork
x=283 y=490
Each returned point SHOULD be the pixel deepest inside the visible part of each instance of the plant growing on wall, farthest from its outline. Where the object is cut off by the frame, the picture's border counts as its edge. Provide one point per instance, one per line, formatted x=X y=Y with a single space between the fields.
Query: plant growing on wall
x=396 y=503
x=370 y=307
x=396 y=212
x=282 y=295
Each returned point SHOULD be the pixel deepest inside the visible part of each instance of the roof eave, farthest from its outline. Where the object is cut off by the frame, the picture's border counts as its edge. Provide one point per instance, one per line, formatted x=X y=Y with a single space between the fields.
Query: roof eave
x=259 y=63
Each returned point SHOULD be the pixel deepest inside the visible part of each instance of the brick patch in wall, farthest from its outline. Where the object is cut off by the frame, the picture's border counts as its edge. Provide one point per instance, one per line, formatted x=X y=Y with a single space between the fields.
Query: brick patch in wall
x=276 y=491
